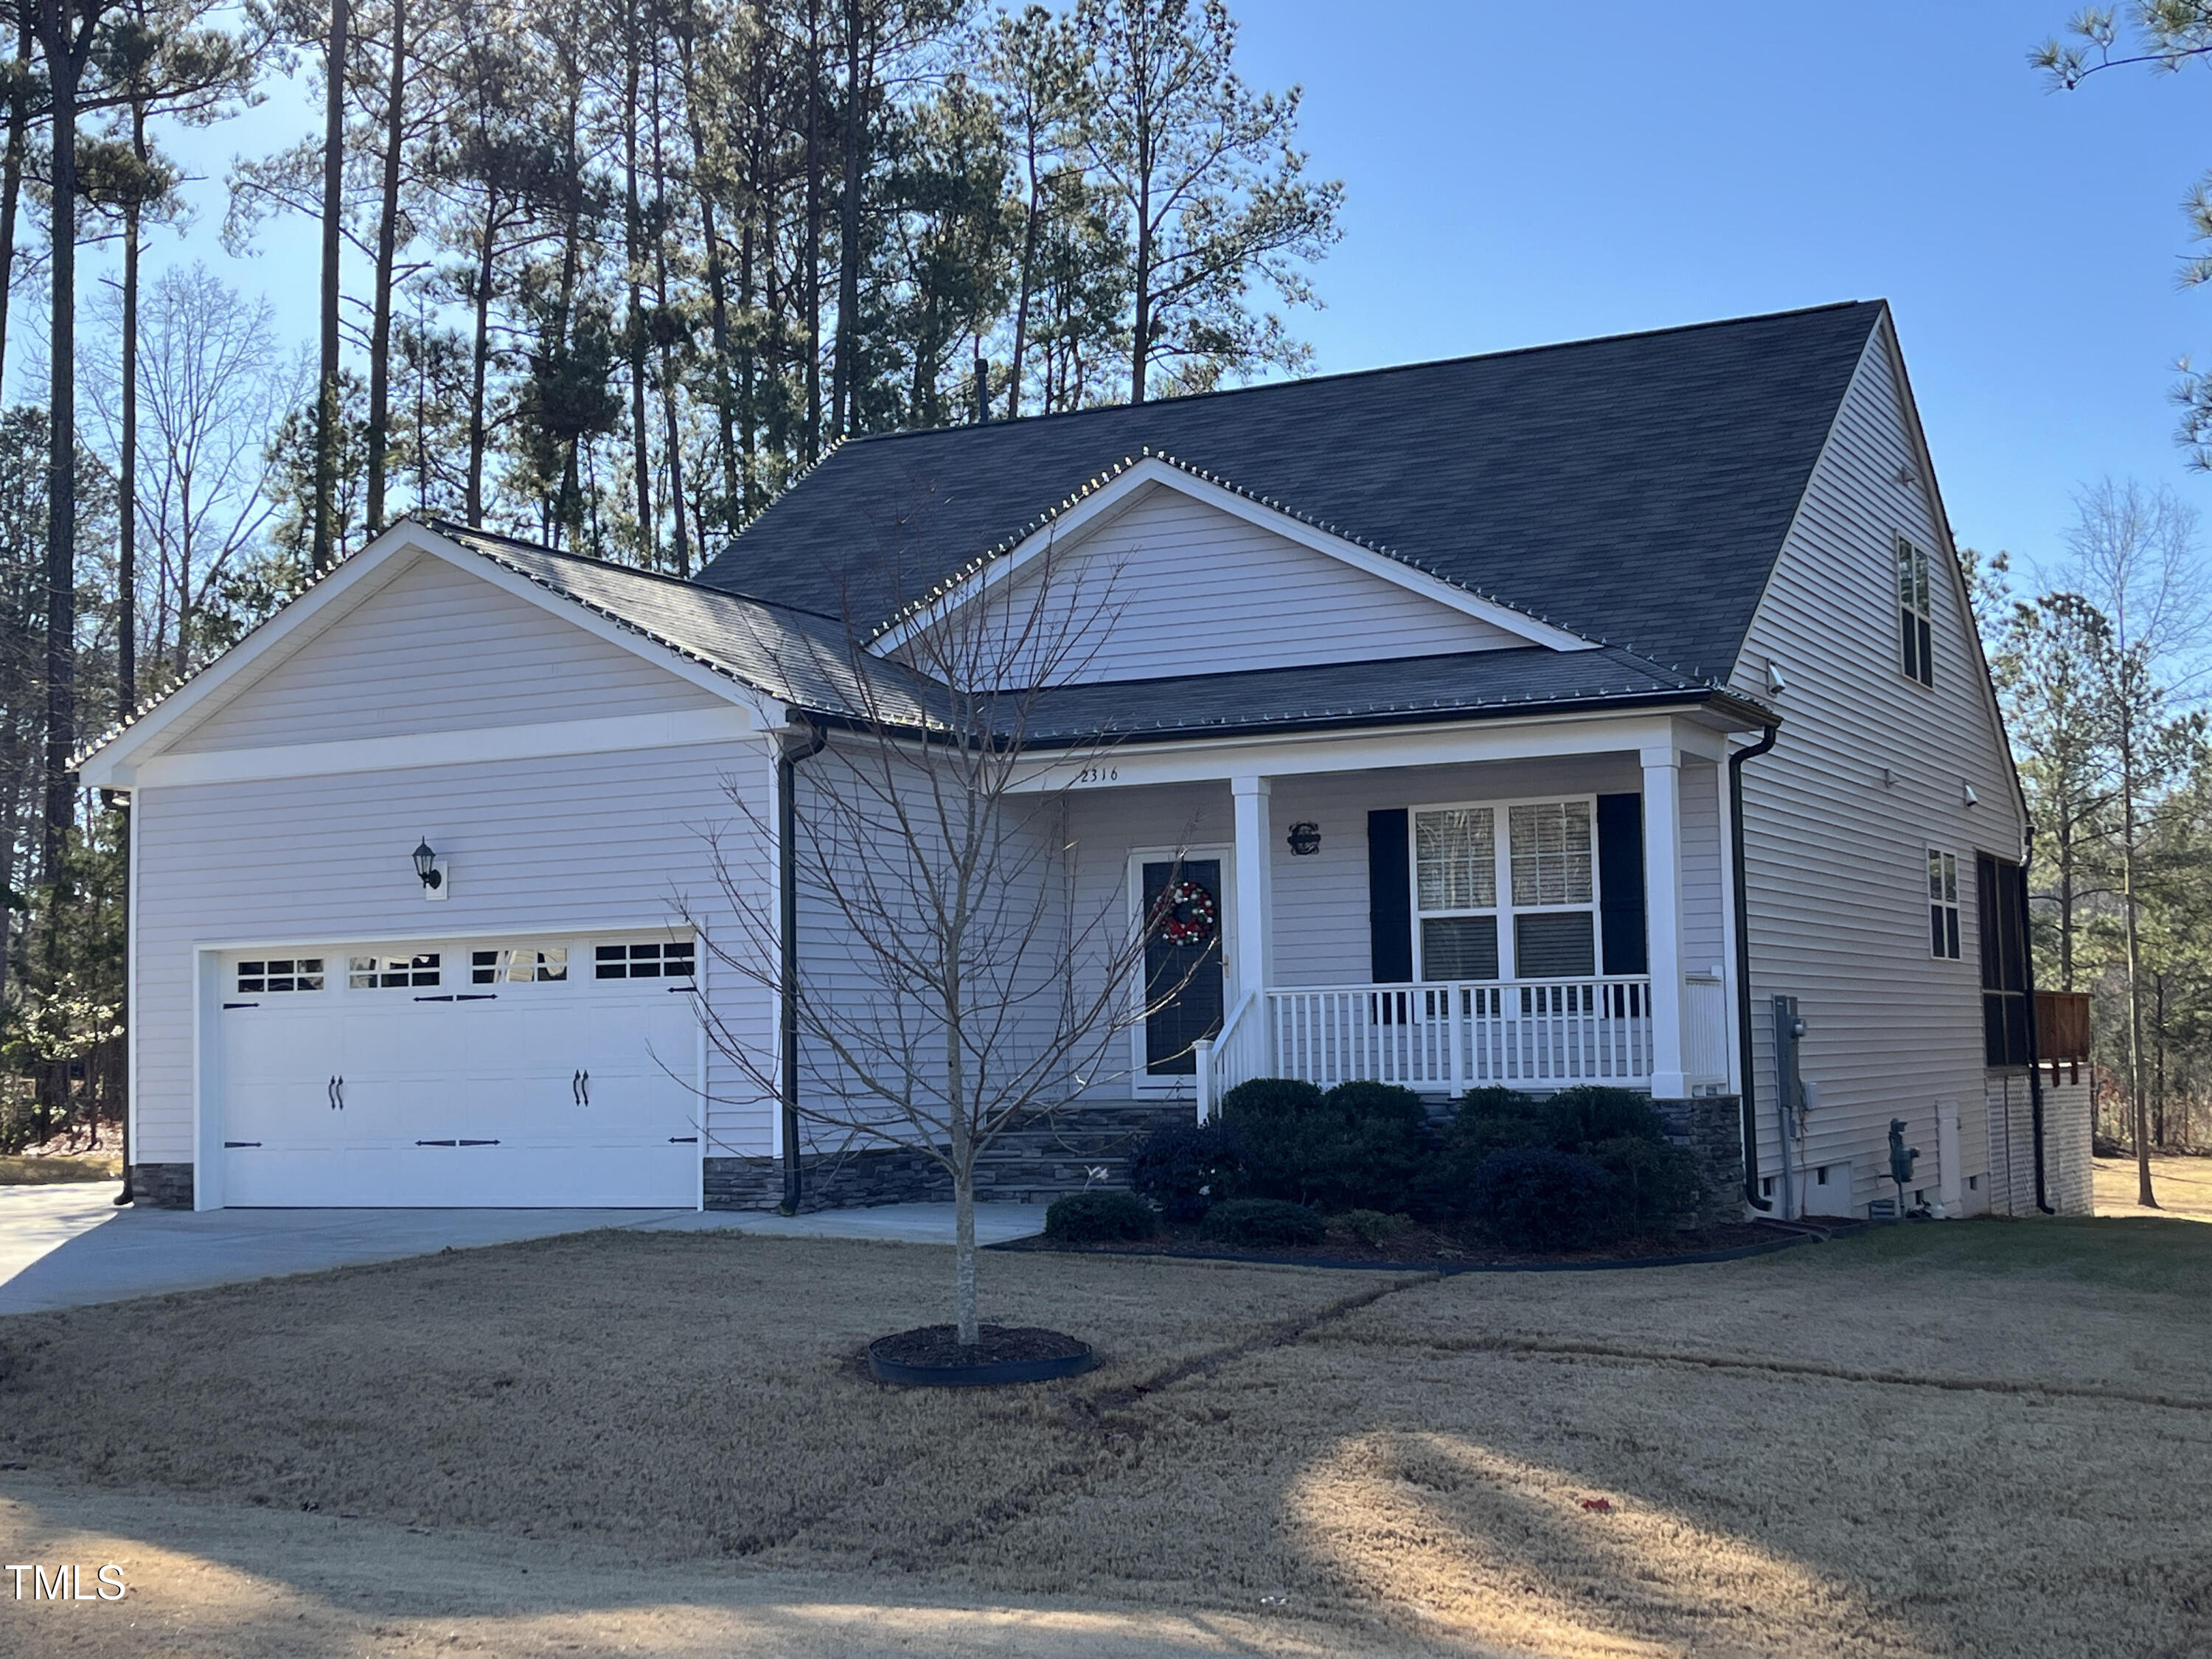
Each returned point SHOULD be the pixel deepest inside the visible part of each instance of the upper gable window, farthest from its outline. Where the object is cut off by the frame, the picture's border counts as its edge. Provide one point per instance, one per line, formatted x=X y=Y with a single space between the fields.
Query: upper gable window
x=1915 y=613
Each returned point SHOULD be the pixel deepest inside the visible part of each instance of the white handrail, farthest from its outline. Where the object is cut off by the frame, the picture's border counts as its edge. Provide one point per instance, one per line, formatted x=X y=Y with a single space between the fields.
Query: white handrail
x=1223 y=1061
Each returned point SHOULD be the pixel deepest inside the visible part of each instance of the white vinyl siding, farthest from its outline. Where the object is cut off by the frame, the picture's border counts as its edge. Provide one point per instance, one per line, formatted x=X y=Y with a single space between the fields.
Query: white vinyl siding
x=577 y=843
x=1170 y=586
x=436 y=649
x=1838 y=904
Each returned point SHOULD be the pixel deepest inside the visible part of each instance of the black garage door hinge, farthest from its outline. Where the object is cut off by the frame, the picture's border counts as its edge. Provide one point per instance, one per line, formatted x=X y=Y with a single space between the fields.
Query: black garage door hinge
x=241 y=1142
x=683 y=1141
x=241 y=1005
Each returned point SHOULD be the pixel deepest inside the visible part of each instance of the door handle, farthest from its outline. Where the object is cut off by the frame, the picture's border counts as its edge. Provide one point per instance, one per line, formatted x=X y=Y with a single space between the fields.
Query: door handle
x=337 y=1092
x=575 y=1088
x=585 y=1082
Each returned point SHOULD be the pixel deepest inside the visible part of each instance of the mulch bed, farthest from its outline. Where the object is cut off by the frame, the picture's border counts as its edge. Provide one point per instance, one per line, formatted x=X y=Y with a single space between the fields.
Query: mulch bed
x=939 y=1345
x=1445 y=1249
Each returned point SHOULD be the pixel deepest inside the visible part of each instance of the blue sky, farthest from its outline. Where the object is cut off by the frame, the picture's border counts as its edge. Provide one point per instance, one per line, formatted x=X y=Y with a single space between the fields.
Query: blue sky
x=1539 y=171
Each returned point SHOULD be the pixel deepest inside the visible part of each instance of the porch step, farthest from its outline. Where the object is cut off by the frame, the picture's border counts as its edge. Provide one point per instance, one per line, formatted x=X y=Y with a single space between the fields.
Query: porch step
x=1037 y=1161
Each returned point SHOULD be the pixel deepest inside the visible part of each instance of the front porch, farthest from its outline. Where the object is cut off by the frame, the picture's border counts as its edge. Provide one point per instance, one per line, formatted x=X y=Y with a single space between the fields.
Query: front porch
x=1536 y=904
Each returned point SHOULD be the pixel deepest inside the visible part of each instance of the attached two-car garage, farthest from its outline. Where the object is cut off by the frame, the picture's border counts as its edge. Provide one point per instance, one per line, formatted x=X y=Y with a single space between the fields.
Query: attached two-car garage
x=544 y=1070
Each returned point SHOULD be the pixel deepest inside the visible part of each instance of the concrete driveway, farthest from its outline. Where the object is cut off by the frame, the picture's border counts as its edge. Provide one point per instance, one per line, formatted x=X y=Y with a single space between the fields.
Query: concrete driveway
x=65 y=1246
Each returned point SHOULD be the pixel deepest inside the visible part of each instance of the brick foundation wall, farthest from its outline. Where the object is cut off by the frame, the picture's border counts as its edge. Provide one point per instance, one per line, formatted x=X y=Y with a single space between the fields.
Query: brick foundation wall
x=162 y=1186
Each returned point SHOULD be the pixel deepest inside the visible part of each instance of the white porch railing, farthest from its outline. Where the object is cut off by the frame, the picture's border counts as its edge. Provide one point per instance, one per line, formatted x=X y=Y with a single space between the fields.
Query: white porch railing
x=1441 y=1038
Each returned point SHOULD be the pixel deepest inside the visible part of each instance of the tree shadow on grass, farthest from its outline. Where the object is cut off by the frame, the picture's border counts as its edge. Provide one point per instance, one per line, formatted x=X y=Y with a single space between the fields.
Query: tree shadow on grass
x=1497 y=1548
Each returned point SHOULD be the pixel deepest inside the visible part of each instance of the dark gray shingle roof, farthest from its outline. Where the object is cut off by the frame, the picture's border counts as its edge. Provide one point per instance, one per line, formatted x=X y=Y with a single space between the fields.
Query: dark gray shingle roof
x=1467 y=684
x=1634 y=489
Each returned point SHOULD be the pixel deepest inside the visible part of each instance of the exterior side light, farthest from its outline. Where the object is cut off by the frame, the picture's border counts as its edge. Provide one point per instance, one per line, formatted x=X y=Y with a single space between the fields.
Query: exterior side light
x=1305 y=839
x=426 y=866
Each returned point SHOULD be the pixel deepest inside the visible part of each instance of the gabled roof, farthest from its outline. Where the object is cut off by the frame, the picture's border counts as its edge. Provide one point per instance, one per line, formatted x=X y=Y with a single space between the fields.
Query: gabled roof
x=741 y=646
x=794 y=655
x=1635 y=490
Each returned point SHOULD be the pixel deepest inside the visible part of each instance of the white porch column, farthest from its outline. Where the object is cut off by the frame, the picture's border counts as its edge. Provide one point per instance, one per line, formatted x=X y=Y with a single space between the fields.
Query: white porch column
x=1662 y=913
x=1254 y=966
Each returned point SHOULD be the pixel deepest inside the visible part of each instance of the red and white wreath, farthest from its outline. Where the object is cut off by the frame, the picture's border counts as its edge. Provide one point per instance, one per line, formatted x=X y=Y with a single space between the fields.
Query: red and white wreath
x=1186 y=913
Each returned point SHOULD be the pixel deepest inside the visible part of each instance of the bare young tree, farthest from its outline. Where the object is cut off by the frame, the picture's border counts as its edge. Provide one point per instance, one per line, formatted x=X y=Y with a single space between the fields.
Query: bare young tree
x=213 y=385
x=2138 y=563
x=954 y=984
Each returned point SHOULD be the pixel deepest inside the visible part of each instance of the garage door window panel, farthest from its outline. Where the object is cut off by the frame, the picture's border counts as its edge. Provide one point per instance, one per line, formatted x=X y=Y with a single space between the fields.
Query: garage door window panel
x=389 y=973
x=519 y=964
x=654 y=960
x=278 y=974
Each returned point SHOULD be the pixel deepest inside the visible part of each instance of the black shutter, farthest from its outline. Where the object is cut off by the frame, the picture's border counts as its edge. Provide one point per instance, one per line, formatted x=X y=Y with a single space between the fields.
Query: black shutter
x=1620 y=883
x=1389 y=899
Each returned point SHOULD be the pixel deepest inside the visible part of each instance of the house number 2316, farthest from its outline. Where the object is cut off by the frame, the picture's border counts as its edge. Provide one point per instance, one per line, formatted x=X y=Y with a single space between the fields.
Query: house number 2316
x=1098 y=774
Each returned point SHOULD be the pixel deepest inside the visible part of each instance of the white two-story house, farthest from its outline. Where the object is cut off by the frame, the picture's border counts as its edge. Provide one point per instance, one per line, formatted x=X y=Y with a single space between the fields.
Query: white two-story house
x=1608 y=711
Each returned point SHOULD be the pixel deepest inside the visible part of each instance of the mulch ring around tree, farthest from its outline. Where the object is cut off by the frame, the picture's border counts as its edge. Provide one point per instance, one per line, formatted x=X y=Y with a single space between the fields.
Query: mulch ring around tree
x=931 y=1356
x=1448 y=1250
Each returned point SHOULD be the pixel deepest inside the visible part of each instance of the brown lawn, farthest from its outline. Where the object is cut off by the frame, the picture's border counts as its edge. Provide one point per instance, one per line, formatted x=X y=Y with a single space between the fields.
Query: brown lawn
x=2183 y=1187
x=45 y=1168
x=1976 y=1438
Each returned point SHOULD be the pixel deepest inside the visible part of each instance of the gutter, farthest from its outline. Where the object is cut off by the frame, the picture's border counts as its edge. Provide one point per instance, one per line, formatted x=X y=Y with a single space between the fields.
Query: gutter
x=792 y=748
x=2034 y=1067
x=1736 y=758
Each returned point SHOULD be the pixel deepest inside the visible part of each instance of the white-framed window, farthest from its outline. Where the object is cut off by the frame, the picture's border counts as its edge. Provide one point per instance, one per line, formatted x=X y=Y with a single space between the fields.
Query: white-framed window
x=657 y=960
x=1916 y=614
x=1521 y=904
x=1942 y=904
x=519 y=964
x=276 y=974
x=392 y=972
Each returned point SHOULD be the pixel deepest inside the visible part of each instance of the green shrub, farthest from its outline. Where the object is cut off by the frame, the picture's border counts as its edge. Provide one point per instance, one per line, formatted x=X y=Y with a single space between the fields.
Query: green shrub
x=1262 y=1221
x=1186 y=1168
x=1576 y=1120
x=1538 y=1198
x=1362 y=1145
x=1384 y=1101
x=1099 y=1218
x=1372 y=1227
x=1269 y=1097
x=1655 y=1183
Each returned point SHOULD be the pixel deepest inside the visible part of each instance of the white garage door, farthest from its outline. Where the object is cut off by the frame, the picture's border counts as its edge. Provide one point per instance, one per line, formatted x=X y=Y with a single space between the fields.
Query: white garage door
x=558 y=1071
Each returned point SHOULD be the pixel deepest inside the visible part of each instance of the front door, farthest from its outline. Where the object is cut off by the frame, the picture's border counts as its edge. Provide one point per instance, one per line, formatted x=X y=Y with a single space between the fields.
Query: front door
x=1183 y=963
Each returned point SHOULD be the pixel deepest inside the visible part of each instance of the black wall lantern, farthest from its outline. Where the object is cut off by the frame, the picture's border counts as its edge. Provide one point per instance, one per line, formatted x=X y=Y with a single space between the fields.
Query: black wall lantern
x=426 y=866
x=1304 y=838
